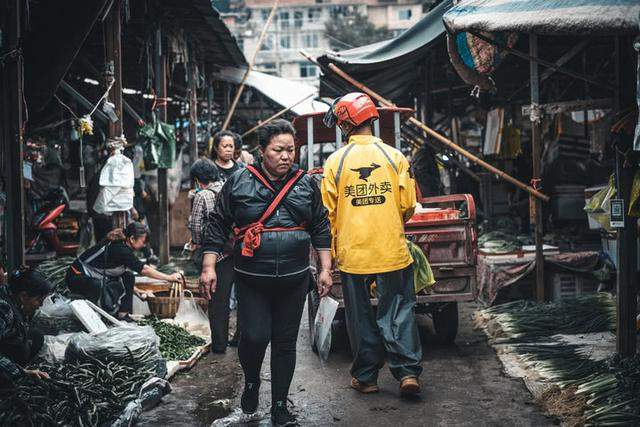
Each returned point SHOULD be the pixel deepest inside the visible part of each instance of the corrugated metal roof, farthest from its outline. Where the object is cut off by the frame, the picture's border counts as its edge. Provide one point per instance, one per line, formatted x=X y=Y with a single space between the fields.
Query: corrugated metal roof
x=282 y=91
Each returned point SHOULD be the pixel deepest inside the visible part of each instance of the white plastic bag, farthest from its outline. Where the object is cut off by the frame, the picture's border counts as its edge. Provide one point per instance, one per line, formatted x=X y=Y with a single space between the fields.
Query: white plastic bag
x=192 y=318
x=54 y=347
x=113 y=199
x=117 y=172
x=322 y=326
x=56 y=317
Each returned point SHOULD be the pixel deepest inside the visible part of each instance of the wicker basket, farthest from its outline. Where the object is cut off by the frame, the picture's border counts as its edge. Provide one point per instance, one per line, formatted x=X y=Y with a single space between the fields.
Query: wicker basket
x=166 y=306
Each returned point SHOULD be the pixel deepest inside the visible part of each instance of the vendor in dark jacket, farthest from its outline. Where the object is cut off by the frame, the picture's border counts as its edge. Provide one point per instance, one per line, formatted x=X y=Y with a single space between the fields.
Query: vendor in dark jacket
x=271 y=259
x=19 y=301
x=103 y=274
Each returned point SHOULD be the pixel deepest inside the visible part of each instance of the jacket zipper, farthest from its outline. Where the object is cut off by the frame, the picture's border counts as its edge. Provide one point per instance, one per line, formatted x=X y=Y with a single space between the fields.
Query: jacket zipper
x=277 y=241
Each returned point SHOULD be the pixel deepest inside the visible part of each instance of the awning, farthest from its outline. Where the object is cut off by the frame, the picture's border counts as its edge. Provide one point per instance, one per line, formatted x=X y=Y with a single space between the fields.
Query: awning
x=388 y=66
x=549 y=17
x=286 y=93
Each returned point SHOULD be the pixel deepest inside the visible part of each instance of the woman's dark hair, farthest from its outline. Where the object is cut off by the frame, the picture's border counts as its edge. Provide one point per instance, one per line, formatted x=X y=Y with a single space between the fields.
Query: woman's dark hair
x=205 y=171
x=135 y=230
x=275 y=128
x=30 y=281
x=237 y=139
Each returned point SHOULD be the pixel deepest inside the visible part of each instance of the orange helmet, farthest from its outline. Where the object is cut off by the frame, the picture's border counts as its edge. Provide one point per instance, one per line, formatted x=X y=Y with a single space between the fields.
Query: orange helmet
x=353 y=109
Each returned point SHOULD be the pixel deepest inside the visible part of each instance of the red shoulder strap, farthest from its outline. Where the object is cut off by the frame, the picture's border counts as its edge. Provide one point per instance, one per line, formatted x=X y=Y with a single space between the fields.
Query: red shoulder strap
x=280 y=196
x=256 y=173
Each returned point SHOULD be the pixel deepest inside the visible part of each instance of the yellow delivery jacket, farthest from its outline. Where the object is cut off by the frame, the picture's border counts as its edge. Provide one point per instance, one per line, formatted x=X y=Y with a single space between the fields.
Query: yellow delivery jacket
x=369 y=192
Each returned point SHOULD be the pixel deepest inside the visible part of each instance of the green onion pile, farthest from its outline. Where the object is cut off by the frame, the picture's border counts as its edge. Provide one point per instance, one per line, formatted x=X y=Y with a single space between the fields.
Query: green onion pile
x=612 y=387
x=175 y=342
x=526 y=321
x=80 y=394
x=55 y=270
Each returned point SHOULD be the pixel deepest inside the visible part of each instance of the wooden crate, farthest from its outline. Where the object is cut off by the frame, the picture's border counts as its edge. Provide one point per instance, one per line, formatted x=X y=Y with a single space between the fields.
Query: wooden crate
x=179 y=216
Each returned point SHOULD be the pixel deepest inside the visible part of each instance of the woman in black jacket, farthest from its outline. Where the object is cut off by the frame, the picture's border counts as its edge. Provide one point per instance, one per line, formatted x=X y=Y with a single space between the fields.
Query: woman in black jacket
x=19 y=300
x=275 y=209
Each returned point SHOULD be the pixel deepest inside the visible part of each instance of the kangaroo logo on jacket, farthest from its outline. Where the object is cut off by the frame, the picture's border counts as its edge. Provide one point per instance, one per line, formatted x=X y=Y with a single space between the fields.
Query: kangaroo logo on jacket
x=371 y=193
x=366 y=171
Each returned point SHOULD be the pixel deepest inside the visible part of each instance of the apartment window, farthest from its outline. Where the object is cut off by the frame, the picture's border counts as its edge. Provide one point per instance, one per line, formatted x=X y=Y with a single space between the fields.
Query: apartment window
x=264 y=13
x=308 y=70
x=283 y=19
x=404 y=15
x=268 y=43
x=314 y=14
x=267 y=68
x=285 y=41
x=310 y=40
x=298 y=18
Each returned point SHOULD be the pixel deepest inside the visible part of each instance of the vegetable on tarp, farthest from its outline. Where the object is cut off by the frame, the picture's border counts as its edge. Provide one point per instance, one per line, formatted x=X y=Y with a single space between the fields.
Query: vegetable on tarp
x=55 y=271
x=77 y=394
x=175 y=342
x=131 y=345
x=526 y=321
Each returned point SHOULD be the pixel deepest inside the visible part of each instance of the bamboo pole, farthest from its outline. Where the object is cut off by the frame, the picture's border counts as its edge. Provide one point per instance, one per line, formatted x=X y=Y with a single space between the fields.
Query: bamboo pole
x=436 y=135
x=275 y=116
x=227 y=120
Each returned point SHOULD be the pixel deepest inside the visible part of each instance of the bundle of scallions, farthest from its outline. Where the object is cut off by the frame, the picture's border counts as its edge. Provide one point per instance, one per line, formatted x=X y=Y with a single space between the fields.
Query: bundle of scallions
x=526 y=321
x=612 y=386
x=55 y=270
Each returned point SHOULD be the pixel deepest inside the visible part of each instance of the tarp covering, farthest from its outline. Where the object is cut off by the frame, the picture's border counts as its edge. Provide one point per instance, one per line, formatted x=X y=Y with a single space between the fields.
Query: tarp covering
x=548 y=17
x=281 y=91
x=388 y=66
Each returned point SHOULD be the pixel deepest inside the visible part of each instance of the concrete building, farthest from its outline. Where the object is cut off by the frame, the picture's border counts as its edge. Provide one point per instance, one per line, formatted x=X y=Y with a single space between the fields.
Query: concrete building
x=300 y=24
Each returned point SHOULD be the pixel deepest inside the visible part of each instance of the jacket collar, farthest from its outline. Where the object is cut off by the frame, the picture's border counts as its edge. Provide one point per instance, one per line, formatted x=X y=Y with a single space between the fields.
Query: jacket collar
x=363 y=139
x=294 y=169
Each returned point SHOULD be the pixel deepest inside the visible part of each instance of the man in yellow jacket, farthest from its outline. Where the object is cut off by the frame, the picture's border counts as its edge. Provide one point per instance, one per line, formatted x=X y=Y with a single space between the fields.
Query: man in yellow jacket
x=369 y=192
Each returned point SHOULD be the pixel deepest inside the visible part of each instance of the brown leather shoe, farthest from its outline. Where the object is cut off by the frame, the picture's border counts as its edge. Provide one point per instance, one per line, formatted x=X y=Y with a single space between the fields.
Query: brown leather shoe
x=409 y=386
x=364 y=388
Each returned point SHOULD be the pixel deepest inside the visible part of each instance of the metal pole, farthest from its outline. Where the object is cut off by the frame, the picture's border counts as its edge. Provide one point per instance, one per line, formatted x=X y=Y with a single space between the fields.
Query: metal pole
x=276 y=115
x=113 y=73
x=163 y=200
x=193 y=109
x=227 y=120
x=536 y=153
x=11 y=131
x=376 y=128
x=396 y=130
x=627 y=236
x=443 y=140
x=310 y=143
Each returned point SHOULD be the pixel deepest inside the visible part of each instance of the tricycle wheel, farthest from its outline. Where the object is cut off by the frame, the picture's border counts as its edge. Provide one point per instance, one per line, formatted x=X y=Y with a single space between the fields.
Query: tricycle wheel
x=445 y=322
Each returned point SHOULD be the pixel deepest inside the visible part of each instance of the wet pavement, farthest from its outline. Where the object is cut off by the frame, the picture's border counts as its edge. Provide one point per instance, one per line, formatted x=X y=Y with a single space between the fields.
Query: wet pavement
x=463 y=384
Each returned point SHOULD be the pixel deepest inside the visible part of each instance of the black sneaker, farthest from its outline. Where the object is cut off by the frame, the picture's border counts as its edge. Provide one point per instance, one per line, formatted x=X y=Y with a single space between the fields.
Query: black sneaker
x=280 y=415
x=249 y=399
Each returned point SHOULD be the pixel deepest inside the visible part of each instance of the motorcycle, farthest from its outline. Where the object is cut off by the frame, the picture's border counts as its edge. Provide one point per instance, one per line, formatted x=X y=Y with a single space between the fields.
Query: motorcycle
x=45 y=236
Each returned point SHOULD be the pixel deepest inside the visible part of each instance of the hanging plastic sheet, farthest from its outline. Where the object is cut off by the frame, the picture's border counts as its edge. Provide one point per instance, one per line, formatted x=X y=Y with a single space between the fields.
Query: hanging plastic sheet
x=636 y=137
x=599 y=207
x=159 y=145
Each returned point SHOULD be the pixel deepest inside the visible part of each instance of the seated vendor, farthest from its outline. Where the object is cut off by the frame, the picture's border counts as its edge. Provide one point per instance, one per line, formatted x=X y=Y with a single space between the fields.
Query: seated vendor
x=19 y=300
x=103 y=274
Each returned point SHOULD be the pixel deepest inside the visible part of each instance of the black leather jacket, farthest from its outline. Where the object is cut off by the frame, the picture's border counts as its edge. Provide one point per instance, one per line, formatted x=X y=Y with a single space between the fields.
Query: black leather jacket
x=242 y=201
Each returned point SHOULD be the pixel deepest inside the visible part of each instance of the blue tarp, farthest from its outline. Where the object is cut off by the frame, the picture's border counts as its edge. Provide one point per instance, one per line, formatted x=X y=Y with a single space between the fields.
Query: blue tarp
x=551 y=17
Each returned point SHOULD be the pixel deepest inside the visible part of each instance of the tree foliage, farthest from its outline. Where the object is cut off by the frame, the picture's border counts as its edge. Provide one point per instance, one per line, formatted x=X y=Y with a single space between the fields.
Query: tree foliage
x=353 y=30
